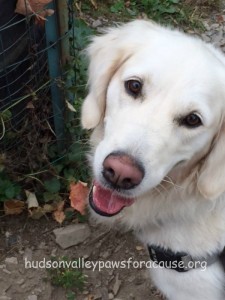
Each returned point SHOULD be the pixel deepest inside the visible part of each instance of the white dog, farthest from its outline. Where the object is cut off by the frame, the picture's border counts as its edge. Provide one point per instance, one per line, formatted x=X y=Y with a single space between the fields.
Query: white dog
x=156 y=103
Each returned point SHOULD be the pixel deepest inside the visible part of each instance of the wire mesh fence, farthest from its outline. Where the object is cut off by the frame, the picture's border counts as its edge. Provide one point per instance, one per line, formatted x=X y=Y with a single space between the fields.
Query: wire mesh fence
x=34 y=50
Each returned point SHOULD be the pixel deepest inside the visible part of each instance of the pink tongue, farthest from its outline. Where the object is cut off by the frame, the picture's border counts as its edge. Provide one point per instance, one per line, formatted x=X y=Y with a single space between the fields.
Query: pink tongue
x=109 y=201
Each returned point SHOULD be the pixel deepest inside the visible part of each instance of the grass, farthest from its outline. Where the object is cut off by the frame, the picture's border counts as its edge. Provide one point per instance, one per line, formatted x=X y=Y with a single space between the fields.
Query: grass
x=65 y=276
x=186 y=14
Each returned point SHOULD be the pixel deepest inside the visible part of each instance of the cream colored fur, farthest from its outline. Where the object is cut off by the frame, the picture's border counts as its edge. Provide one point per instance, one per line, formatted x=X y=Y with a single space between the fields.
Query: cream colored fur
x=180 y=204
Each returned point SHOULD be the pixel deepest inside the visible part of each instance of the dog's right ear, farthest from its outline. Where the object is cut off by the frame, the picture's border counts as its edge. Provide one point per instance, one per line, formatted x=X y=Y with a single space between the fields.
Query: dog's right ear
x=106 y=54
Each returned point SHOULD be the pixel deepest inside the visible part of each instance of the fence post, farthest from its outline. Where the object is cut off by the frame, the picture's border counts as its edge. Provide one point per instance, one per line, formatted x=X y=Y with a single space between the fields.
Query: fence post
x=54 y=63
x=65 y=12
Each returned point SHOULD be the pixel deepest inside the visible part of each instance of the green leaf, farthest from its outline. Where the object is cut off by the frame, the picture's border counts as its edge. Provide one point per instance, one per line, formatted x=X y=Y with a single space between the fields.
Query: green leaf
x=69 y=215
x=52 y=185
x=10 y=192
x=51 y=197
x=170 y=10
x=117 y=7
x=71 y=295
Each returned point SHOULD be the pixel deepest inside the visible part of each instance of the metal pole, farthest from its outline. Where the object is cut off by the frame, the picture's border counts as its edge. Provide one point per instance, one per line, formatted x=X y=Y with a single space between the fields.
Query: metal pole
x=54 y=63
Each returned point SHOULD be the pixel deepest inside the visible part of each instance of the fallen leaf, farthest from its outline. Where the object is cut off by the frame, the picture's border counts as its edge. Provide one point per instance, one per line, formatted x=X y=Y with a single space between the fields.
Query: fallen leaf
x=29 y=7
x=139 y=248
x=31 y=200
x=23 y=7
x=36 y=213
x=41 y=17
x=30 y=105
x=59 y=214
x=70 y=106
x=220 y=18
x=13 y=207
x=48 y=208
x=78 y=196
x=60 y=206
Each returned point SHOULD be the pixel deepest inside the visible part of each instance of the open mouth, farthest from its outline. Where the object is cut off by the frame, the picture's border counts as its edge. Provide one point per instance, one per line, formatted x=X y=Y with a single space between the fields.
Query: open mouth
x=107 y=202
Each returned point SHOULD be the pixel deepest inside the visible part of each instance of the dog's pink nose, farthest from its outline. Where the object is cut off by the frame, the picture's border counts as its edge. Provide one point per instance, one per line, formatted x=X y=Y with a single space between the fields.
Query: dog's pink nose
x=122 y=171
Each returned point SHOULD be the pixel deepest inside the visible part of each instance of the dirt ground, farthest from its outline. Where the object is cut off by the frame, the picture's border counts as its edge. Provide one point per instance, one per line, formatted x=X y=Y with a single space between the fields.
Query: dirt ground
x=23 y=238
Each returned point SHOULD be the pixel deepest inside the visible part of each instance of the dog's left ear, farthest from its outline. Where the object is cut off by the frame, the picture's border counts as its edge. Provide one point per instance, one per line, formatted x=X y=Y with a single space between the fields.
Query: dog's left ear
x=211 y=181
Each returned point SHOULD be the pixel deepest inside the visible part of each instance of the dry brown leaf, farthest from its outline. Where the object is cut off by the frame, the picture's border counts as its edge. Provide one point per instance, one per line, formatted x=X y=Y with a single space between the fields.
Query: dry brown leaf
x=60 y=206
x=139 y=248
x=28 y=7
x=36 y=213
x=23 y=7
x=78 y=196
x=30 y=105
x=220 y=18
x=13 y=207
x=59 y=214
x=48 y=208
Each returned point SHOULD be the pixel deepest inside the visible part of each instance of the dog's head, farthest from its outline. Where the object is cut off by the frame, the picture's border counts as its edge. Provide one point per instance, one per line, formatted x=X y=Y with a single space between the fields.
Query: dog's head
x=156 y=103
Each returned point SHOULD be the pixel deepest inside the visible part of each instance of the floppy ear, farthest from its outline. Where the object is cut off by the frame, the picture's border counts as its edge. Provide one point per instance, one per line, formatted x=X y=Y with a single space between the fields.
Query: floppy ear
x=106 y=54
x=211 y=181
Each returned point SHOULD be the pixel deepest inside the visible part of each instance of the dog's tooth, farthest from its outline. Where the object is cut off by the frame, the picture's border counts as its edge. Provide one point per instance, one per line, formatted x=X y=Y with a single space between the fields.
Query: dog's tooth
x=94 y=188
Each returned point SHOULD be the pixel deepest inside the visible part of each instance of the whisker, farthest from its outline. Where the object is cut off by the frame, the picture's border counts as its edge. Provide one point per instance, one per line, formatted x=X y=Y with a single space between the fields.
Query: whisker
x=163 y=187
x=171 y=182
x=159 y=192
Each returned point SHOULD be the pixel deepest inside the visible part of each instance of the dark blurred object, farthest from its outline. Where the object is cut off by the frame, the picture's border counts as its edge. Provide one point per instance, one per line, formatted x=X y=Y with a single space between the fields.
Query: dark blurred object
x=22 y=62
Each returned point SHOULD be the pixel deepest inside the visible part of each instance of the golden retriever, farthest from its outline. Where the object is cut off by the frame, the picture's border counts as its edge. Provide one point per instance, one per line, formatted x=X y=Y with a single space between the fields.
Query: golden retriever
x=156 y=103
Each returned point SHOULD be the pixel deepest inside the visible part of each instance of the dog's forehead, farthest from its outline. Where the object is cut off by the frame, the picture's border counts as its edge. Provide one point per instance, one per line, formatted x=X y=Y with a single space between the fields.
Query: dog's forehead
x=173 y=60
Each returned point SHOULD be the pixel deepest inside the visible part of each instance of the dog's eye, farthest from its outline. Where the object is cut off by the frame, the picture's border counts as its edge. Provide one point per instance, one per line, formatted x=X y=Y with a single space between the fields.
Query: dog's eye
x=133 y=87
x=192 y=121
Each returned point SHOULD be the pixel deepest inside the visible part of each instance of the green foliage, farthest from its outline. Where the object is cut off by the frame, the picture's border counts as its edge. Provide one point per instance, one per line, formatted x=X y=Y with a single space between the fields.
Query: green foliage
x=6 y=115
x=119 y=6
x=44 y=170
x=66 y=276
x=72 y=165
x=71 y=295
x=162 y=11
x=52 y=185
x=83 y=34
x=8 y=189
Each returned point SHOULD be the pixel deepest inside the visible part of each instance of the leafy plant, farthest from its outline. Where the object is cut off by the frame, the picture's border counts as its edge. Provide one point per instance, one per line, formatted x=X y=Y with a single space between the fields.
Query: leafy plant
x=8 y=189
x=66 y=276
x=117 y=7
x=52 y=185
x=163 y=11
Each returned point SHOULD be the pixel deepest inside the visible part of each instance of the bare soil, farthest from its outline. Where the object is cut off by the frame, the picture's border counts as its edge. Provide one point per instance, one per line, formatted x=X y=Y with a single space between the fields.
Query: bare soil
x=22 y=237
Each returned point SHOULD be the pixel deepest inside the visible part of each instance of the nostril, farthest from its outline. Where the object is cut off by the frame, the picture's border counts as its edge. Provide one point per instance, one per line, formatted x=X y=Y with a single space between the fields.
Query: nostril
x=127 y=183
x=109 y=173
